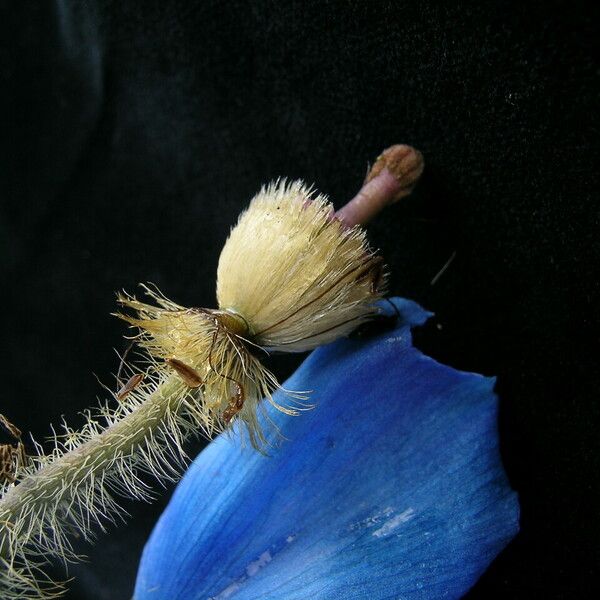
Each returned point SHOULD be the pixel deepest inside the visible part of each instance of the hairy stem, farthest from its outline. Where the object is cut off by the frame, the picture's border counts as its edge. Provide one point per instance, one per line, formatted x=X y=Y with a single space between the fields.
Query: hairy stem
x=58 y=482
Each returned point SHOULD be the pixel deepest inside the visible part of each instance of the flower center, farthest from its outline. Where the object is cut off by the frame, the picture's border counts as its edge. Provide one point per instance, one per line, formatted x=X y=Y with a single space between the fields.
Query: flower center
x=234 y=322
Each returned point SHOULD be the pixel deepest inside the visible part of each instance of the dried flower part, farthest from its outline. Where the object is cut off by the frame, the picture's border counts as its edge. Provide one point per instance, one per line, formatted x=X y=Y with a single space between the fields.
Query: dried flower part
x=298 y=276
x=189 y=376
x=11 y=428
x=290 y=278
x=11 y=457
x=129 y=386
x=206 y=355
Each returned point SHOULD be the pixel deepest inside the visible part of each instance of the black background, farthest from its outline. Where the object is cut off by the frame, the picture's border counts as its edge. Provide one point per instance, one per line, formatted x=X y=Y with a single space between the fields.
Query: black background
x=136 y=131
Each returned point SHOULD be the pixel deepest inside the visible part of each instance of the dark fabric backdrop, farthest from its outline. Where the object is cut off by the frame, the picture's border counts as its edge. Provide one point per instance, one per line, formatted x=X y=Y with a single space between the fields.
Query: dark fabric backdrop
x=134 y=132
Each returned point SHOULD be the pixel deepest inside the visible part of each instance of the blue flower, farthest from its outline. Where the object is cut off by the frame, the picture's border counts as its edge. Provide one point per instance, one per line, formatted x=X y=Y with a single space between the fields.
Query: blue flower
x=391 y=488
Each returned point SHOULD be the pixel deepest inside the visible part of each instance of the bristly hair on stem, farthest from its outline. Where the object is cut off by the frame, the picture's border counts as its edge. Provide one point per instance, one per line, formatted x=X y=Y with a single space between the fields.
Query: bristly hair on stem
x=292 y=275
x=74 y=487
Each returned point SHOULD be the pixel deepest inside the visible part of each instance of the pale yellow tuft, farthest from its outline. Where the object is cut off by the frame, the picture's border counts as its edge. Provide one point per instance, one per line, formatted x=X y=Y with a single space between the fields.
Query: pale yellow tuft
x=290 y=278
x=298 y=276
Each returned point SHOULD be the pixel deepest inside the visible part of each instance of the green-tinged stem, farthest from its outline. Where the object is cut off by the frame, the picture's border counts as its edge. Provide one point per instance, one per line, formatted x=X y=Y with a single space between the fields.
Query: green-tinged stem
x=58 y=481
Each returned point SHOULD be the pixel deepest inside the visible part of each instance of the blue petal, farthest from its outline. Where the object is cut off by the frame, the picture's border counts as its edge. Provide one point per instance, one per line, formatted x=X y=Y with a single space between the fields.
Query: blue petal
x=391 y=488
